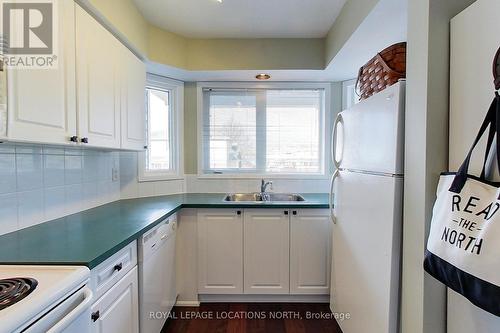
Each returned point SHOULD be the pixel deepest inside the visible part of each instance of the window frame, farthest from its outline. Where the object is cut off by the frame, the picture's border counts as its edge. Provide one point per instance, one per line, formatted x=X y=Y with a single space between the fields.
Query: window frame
x=176 y=94
x=325 y=130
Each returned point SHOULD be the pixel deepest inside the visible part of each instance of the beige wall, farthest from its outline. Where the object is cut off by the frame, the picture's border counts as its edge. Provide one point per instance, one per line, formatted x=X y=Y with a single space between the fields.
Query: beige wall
x=164 y=47
x=160 y=46
x=190 y=129
x=271 y=53
x=426 y=155
x=167 y=48
x=124 y=16
x=352 y=14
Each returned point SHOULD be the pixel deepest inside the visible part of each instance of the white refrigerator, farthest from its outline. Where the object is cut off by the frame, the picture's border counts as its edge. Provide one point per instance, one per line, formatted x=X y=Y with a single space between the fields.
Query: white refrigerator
x=366 y=198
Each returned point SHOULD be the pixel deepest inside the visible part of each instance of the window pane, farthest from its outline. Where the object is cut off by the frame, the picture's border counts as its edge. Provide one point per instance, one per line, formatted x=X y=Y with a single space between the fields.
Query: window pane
x=273 y=131
x=159 y=159
x=231 y=131
x=293 y=131
x=158 y=130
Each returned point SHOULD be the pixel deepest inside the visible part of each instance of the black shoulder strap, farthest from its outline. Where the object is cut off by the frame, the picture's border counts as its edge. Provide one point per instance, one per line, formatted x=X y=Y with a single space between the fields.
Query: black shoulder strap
x=491 y=120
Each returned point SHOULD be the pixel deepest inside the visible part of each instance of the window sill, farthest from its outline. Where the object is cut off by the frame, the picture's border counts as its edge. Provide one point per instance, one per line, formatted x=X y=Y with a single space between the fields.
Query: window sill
x=158 y=178
x=261 y=176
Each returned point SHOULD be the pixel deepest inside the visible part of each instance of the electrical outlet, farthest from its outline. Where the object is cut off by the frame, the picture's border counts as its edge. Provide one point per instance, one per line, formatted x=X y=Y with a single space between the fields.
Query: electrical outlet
x=114 y=174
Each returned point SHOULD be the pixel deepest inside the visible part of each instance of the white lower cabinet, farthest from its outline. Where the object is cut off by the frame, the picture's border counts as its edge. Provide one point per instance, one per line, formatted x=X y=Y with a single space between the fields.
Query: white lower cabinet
x=117 y=310
x=266 y=251
x=220 y=251
x=310 y=251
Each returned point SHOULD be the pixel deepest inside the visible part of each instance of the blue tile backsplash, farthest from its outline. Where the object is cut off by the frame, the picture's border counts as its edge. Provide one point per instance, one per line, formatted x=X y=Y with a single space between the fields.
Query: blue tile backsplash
x=41 y=183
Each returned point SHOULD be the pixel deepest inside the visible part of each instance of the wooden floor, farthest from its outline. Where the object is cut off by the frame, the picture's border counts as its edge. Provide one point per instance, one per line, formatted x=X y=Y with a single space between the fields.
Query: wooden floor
x=252 y=318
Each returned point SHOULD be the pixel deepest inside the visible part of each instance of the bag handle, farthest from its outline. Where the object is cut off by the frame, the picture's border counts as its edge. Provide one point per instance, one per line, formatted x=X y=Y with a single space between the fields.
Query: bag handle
x=496 y=70
x=386 y=66
x=492 y=119
x=491 y=136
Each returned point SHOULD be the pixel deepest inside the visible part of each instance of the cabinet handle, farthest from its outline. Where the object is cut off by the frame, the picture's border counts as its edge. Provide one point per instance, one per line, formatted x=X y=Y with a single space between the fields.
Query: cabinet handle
x=118 y=267
x=74 y=138
x=286 y=212
x=85 y=140
x=294 y=212
x=95 y=316
x=238 y=212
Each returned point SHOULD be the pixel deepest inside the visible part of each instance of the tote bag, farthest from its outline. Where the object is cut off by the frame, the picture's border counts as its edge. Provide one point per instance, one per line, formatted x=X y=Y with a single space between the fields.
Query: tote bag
x=463 y=249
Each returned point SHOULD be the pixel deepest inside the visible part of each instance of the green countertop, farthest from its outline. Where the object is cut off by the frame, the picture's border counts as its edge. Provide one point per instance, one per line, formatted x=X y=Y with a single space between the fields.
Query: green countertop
x=90 y=237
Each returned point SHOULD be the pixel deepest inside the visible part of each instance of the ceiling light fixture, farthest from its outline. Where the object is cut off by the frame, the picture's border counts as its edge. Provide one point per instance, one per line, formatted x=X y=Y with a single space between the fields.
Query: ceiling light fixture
x=220 y=1
x=262 y=76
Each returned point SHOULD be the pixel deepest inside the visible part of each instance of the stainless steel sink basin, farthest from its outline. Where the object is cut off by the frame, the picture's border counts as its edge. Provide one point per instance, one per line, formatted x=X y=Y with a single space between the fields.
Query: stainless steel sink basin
x=257 y=197
x=285 y=197
x=243 y=197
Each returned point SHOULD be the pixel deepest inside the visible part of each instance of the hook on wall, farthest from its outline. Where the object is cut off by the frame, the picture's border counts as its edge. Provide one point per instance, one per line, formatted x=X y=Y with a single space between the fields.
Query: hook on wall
x=496 y=70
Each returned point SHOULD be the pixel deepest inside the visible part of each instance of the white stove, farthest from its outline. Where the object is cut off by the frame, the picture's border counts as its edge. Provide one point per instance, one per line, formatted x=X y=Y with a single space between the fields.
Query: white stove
x=59 y=300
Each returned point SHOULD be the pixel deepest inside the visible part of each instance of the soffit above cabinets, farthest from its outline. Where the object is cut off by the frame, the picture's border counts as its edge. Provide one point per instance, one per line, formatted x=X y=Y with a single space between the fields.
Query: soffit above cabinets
x=243 y=18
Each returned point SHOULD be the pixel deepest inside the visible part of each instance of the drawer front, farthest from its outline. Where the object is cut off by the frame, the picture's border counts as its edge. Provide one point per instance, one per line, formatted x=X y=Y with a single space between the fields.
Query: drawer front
x=104 y=276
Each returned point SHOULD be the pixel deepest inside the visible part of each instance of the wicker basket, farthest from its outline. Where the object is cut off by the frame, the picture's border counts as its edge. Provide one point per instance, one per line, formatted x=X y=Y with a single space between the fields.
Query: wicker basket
x=382 y=71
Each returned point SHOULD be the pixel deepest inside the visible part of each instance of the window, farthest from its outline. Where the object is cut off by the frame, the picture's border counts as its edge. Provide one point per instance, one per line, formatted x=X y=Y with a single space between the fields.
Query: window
x=161 y=160
x=264 y=131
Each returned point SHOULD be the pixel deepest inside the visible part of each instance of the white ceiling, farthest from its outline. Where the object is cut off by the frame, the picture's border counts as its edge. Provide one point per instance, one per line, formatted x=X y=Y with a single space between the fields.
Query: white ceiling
x=243 y=18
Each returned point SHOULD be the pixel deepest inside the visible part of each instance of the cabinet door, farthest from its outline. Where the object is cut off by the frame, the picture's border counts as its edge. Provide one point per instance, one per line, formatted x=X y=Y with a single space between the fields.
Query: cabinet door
x=220 y=251
x=98 y=82
x=42 y=102
x=266 y=233
x=133 y=105
x=310 y=251
x=117 y=310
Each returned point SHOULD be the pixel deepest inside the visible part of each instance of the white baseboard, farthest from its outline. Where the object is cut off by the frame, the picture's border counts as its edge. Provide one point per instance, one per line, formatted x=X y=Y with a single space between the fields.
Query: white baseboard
x=264 y=298
x=187 y=303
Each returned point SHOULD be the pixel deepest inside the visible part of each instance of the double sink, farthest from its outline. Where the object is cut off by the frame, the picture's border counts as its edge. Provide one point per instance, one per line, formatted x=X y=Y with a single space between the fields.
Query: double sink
x=263 y=197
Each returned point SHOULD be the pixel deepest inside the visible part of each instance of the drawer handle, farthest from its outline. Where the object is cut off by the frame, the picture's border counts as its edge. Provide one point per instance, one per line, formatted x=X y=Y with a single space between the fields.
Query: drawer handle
x=95 y=316
x=118 y=267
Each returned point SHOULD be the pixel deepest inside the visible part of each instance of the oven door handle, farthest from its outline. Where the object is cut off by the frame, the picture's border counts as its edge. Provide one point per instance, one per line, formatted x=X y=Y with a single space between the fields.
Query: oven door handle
x=75 y=313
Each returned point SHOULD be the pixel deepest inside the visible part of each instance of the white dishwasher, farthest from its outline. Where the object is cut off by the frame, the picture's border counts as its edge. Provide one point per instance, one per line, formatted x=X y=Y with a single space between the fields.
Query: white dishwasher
x=157 y=289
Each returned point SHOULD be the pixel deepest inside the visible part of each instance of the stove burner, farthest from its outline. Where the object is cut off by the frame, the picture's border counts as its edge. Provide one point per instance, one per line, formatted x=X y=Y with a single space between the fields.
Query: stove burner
x=15 y=289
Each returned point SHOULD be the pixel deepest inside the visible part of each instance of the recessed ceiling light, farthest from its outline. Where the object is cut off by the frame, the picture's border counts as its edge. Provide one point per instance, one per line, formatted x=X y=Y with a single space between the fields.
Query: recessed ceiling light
x=262 y=76
x=220 y=1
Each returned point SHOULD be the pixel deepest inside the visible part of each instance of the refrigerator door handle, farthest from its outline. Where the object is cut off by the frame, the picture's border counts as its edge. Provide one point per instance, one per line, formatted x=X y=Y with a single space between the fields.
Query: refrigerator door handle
x=338 y=120
x=330 y=197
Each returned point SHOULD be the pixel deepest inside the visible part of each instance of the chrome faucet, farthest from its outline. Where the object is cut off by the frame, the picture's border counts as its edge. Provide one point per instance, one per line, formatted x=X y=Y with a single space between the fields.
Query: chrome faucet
x=263 y=187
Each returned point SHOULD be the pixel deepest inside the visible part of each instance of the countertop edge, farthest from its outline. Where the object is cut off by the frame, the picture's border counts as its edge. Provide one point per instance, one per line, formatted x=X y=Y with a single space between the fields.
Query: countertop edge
x=94 y=262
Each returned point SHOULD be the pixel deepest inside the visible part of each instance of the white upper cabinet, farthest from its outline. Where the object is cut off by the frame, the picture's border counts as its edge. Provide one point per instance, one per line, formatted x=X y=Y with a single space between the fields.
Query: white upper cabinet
x=133 y=105
x=94 y=97
x=98 y=69
x=266 y=251
x=310 y=248
x=42 y=102
x=220 y=251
